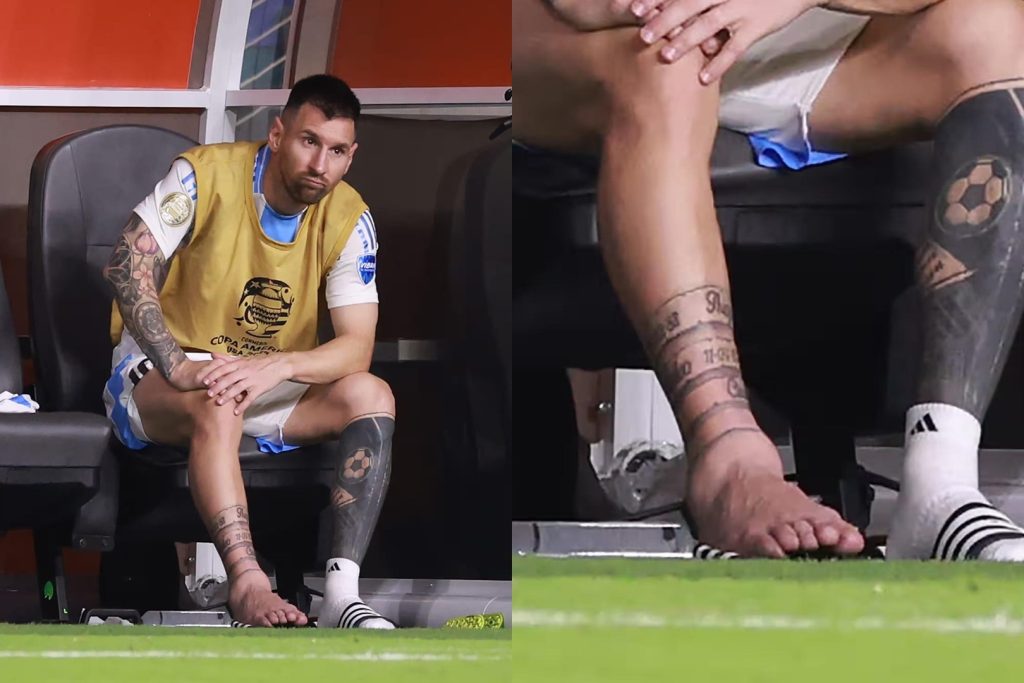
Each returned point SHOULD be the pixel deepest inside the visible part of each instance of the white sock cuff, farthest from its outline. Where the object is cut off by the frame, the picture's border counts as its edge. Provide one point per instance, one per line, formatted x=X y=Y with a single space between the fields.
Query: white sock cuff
x=942 y=421
x=341 y=577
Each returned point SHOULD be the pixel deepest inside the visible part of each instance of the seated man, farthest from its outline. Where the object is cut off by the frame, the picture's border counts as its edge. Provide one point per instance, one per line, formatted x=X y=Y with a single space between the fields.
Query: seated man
x=217 y=277
x=799 y=75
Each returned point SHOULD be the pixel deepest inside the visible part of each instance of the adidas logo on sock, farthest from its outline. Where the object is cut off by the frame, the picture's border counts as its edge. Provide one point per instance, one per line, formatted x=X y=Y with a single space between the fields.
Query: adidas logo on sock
x=925 y=424
x=335 y=567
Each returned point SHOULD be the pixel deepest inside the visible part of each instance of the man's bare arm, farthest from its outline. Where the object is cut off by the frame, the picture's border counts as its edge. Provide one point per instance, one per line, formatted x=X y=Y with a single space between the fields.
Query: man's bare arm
x=350 y=351
x=137 y=271
x=245 y=379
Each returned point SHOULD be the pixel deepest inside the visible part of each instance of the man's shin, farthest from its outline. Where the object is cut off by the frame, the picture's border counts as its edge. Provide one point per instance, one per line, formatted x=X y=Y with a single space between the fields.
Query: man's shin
x=971 y=265
x=360 y=484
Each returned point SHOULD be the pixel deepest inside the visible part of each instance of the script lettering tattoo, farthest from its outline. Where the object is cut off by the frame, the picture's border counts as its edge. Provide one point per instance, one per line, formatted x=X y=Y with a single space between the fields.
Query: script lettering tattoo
x=137 y=270
x=229 y=530
x=692 y=345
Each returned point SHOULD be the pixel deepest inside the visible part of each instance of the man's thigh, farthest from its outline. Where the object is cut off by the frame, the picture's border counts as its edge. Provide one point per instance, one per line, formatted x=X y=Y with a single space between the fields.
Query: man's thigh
x=166 y=415
x=163 y=412
x=324 y=410
x=903 y=73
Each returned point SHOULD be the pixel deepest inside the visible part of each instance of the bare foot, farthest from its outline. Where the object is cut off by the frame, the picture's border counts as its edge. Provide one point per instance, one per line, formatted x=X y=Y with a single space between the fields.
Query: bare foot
x=740 y=502
x=252 y=602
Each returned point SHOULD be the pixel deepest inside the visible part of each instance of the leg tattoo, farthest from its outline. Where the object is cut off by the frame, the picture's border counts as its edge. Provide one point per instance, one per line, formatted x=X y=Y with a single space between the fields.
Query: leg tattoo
x=692 y=346
x=971 y=274
x=971 y=266
x=362 y=481
x=230 y=532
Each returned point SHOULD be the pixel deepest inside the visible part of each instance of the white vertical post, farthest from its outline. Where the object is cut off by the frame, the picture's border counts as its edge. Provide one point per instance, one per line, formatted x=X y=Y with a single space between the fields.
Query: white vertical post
x=633 y=408
x=224 y=68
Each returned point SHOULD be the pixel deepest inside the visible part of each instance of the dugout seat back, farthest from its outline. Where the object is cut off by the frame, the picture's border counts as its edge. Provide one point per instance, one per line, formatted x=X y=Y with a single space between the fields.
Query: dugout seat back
x=83 y=189
x=52 y=466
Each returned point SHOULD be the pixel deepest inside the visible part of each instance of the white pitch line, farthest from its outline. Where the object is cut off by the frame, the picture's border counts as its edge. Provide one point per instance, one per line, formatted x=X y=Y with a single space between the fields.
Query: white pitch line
x=1001 y=624
x=166 y=654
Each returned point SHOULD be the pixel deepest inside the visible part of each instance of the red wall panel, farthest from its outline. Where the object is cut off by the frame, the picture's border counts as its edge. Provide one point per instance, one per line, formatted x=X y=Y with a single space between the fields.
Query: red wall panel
x=97 y=43
x=416 y=44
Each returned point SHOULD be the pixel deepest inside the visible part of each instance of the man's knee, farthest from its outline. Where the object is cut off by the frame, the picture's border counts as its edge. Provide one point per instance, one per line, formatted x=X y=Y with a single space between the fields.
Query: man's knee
x=978 y=40
x=206 y=416
x=361 y=394
x=636 y=83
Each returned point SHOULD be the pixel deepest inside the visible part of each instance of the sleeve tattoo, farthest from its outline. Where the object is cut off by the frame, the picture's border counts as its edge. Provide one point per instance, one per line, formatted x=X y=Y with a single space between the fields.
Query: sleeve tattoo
x=137 y=271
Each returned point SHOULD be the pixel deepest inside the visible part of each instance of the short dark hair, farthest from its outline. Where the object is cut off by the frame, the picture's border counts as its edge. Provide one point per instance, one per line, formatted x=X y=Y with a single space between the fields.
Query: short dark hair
x=329 y=94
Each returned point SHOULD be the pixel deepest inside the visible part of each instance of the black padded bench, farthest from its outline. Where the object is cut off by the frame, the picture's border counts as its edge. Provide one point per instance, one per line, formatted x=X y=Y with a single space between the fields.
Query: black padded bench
x=53 y=468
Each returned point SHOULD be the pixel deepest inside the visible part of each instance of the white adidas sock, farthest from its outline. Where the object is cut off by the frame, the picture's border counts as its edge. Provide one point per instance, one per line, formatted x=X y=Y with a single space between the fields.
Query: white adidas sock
x=341 y=607
x=941 y=513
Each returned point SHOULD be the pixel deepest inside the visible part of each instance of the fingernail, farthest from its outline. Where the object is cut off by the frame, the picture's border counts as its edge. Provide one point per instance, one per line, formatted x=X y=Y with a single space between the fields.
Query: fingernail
x=669 y=53
x=638 y=9
x=210 y=394
x=705 y=77
x=647 y=35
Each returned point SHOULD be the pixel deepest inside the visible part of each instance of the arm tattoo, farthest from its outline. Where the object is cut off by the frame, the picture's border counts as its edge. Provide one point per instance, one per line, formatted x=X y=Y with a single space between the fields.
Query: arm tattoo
x=137 y=270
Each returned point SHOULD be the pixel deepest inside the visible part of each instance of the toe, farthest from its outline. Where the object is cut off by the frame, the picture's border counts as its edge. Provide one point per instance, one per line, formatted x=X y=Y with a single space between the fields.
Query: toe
x=850 y=541
x=827 y=533
x=786 y=537
x=804 y=530
x=761 y=545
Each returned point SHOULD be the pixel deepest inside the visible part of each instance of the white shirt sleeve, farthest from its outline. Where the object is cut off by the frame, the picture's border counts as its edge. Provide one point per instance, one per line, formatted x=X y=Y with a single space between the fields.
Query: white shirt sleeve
x=170 y=210
x=353 y=277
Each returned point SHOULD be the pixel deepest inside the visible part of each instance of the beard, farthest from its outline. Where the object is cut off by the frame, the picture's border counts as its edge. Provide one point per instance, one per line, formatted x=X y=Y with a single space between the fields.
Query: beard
x=305 y=194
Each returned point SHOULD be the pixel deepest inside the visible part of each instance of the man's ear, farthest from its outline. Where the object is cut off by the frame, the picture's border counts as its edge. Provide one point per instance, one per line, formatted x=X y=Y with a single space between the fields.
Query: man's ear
x=276 y=132
x=351 y=156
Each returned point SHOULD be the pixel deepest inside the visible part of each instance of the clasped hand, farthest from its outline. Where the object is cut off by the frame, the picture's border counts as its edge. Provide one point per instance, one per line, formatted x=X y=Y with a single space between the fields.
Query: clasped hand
x=722 y=29
x=242 y=380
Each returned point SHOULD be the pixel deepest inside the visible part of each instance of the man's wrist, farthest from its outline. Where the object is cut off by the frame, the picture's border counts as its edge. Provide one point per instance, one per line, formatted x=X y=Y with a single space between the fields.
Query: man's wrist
x=287 y=363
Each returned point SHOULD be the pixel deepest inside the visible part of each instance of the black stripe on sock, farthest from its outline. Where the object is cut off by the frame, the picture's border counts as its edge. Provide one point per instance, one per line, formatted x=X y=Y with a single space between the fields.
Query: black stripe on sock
x=945 y=554
x=952 y=520
x=973 y=537
x=350 y=616
x=975 y=550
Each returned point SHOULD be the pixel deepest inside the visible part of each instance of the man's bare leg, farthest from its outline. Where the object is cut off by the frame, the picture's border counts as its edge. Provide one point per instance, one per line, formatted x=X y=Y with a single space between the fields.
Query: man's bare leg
x=358 y=410
x=654 y=126
x=212 y=434
x=341 y=410
x=955 y=72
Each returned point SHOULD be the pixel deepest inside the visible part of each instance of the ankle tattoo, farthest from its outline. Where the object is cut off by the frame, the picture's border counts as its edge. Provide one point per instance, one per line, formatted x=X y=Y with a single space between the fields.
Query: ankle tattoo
x=692 y=346
x=230 y=532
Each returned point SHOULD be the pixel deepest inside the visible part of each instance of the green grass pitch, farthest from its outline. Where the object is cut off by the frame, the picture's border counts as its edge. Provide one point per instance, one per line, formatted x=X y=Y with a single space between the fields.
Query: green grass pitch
x=867 y=621
x=138 y=654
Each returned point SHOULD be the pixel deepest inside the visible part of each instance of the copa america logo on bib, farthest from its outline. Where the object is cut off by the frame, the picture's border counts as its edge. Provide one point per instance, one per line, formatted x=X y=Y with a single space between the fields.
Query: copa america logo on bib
x=367 y=264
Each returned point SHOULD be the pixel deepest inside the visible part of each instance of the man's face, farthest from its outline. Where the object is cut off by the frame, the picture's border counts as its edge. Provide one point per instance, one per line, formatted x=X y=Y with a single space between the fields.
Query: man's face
x=312 y=152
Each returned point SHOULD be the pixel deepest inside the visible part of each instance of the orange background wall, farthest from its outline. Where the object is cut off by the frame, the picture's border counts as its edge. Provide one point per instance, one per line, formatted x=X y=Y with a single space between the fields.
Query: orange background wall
x=97 y=43
x=411 y=43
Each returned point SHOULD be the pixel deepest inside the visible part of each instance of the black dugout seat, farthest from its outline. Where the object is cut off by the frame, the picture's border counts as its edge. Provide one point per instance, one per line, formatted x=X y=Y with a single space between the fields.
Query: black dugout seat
x=52 y=465
x=820 y=261
x=83 y=189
